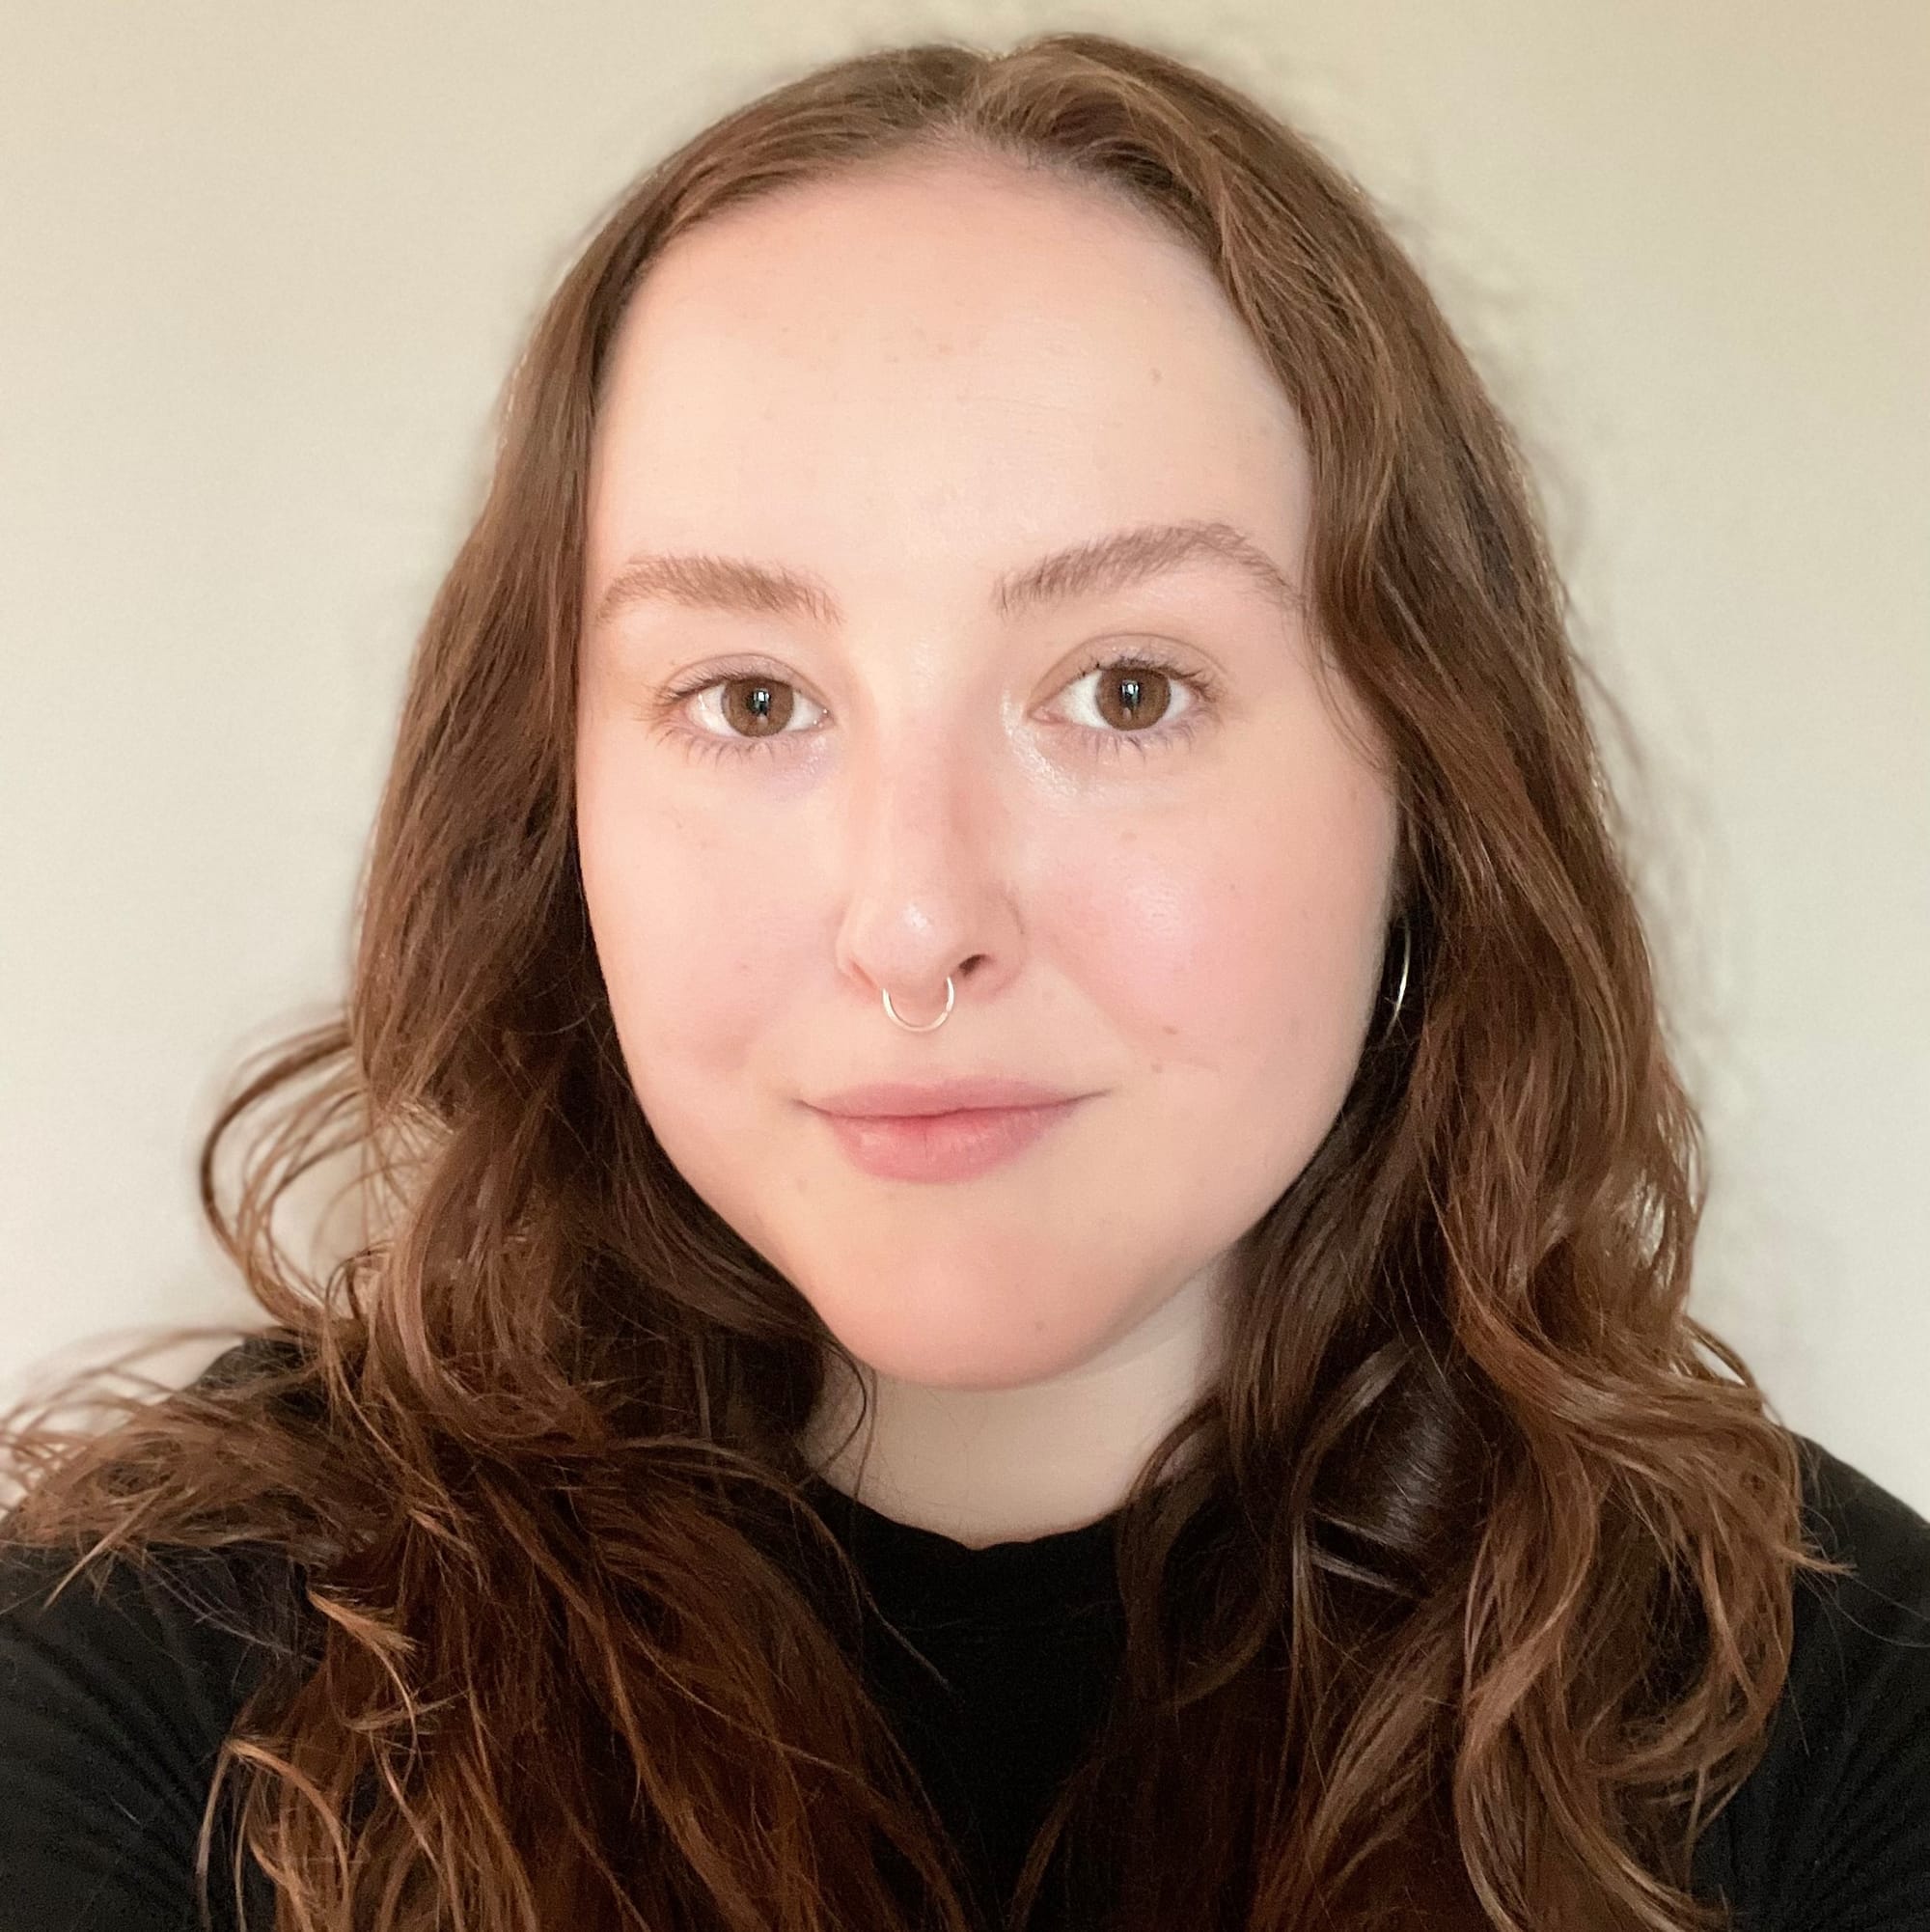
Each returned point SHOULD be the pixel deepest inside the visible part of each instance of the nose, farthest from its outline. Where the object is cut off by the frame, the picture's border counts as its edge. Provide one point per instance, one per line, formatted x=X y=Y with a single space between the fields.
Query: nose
x=931 y=886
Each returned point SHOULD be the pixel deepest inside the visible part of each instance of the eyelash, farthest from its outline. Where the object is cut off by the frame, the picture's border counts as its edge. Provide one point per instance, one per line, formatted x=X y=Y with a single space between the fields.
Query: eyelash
x=1203 y=686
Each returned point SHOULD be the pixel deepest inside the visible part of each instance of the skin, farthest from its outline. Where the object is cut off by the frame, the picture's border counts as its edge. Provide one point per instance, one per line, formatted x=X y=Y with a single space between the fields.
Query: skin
x=900 y=385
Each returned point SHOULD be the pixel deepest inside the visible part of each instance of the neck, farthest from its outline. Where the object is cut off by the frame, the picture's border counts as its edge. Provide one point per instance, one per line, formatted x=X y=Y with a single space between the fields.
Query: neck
x=987 y=1466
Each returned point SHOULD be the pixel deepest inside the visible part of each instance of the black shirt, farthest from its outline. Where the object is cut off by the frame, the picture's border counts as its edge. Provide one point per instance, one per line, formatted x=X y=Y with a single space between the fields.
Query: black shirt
x=112 y=1710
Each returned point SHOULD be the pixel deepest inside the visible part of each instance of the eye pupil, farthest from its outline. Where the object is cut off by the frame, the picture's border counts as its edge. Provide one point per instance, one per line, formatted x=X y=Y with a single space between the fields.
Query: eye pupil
x=1141 y=687
x=769 y=706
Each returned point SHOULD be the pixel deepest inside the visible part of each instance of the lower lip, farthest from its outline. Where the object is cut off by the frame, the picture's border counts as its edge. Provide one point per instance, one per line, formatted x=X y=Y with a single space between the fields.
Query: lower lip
x=943 y=1146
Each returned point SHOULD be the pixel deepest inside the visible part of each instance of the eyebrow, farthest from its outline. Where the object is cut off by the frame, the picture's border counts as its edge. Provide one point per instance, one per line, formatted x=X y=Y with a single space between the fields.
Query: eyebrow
x=698 y=580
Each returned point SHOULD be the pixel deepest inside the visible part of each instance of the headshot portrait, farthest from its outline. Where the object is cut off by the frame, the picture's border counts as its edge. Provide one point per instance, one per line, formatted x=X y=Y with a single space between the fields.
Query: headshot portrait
x=974 y=1187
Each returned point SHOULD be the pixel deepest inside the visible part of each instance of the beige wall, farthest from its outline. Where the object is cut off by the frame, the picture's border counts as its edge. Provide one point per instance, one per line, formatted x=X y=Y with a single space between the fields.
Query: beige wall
x=261 y=269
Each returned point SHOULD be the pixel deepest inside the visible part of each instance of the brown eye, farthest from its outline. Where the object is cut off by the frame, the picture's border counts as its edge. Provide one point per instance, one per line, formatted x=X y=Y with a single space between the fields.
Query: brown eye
x=1133 y=696
x=1133 y=704
x=756 y=707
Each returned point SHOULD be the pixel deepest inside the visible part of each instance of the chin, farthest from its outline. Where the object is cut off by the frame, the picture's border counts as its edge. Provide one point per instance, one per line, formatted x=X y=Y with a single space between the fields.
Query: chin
x=977 y=1350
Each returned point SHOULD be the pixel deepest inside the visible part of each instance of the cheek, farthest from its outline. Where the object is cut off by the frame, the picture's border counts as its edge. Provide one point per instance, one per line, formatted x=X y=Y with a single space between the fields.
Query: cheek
x=699 y=930
x=1231 y=944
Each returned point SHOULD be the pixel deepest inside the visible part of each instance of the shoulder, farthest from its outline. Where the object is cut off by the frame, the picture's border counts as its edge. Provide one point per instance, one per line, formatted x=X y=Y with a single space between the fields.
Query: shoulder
x=1832 y=1829
x=186 y=1625
x=171 y=1606
x=118 y=1684
x=1855 y=1517
x=1860 y=1670
x=120 y=1678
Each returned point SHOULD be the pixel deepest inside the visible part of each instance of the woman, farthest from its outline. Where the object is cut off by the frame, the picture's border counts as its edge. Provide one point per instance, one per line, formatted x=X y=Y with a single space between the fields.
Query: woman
x=1006 y=550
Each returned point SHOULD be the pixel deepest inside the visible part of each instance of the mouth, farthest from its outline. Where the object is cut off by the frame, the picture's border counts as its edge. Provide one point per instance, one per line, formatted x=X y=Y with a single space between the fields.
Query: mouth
x=902 y=1099
x=956 y=1144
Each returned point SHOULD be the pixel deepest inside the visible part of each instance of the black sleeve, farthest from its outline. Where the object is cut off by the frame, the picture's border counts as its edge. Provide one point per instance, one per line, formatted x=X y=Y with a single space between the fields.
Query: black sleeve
x=1832 y=1830
x=114 y=1704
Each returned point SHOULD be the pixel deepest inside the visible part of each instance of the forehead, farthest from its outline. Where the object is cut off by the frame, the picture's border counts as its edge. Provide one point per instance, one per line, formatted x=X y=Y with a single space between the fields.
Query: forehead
x=948 y=349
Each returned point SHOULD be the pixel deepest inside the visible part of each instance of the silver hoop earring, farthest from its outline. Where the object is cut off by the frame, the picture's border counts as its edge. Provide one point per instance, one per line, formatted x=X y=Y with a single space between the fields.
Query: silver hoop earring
x=931 y=1026
x=1401 y=990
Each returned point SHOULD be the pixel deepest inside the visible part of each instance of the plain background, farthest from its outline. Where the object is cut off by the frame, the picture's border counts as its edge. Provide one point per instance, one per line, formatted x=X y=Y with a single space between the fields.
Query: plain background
x=263 y=272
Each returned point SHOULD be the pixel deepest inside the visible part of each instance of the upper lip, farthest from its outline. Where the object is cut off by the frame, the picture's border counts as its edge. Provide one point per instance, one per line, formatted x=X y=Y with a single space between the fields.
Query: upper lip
x=938 y=1096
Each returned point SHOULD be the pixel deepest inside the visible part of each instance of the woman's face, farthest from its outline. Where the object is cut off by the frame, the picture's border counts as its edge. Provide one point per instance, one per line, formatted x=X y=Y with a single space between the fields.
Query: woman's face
x=901 y=392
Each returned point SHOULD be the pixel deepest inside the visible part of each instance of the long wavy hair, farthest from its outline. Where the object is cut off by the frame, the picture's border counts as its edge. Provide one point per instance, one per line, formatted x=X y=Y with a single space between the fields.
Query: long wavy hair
x=1463 y=1597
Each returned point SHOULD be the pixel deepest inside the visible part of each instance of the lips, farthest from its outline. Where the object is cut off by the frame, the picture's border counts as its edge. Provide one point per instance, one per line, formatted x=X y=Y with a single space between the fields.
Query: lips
x=953 y=1146
x=915 y=1099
